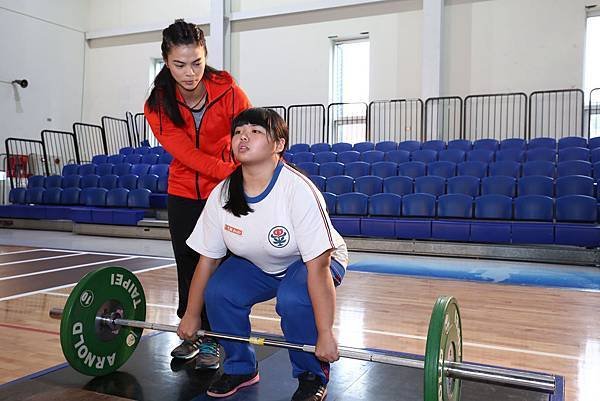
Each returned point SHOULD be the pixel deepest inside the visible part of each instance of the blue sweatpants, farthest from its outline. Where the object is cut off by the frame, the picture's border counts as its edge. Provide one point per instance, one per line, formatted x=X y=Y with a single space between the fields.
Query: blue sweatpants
x=237 y=285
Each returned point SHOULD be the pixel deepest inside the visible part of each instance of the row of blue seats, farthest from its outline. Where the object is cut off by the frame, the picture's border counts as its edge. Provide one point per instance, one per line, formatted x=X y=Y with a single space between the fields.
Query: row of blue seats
x=133 y=158
x=467 y=185
x=142 y=150
x=450 y=169
x=462 y=144
x=451 y=155
x=151 y=182
x=571 y=220
x=117 y=169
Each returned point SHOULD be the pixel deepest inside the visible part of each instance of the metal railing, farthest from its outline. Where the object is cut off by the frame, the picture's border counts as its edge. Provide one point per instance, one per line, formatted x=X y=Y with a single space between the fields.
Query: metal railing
x=396 y=120
x=347 y=122
x=556 y=113
x=443 y=118
x=306 y=123
x=498 y=115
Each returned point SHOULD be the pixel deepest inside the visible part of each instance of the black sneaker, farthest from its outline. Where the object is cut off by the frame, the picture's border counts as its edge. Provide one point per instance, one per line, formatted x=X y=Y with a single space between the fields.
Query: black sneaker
x=208 y=355
x=310 y=388
x=228 y=385
x=185 y=350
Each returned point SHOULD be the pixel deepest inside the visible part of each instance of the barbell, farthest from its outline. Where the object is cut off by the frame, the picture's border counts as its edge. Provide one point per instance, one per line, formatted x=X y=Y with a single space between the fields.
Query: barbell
x=103 y=318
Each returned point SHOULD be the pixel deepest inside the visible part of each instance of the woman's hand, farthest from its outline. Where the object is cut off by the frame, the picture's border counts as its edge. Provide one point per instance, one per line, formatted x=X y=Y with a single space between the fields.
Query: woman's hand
x=188 y=327
x=326 y=348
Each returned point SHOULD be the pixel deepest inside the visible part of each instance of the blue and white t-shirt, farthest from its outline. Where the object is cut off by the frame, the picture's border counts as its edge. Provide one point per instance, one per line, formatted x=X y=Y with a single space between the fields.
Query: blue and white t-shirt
x=289 y=222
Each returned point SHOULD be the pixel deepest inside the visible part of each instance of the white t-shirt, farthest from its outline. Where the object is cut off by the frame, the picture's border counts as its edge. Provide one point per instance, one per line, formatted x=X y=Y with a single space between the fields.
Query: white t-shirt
x=289 y=222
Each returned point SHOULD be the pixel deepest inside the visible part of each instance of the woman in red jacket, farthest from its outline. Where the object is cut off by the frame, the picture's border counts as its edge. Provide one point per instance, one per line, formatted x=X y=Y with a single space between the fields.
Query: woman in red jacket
x=190 y=110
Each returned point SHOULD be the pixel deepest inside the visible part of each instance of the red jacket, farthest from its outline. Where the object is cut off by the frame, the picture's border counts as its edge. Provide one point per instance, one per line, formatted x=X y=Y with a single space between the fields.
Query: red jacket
x=201 y=158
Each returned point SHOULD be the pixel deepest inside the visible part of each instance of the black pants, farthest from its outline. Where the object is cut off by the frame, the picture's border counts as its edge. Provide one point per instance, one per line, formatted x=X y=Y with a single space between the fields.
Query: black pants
x=183 y=215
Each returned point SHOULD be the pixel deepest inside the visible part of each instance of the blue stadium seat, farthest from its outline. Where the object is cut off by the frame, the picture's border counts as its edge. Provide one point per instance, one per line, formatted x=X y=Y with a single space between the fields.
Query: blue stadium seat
x=310 y=168
x=319 y=181
x=452 y=155
x=480 y=155
x=383 y=209
x=89 y=181
x=423 y=155
x=133 y=158
x=115 y=159
x=536 y=185
x=139 y=198
x=299 y=147
x=71 y=181
x=350 y=207
x=460 y=144
x=320 y=147
x=397 y=156
x=543 y=142
x=572 y=141
x=339 y=184
x=127 y=150
x=17 y=196
x=53 y=181
x=594 y=143
x=386 y=146
x=574 y=185
x=142 y=150
x=325 y=157
x=466 y=185
x=150 y=158
x=574 y=167
x=541 y=154
x=472 y=168
x=128 y=181
x=70 y=169
x=368 y=185
x=108 y=181
x=357 y=169
x=399 y=185
x=330 y=169
x=596 y=171
x=348 y=156
x=36 y=181
x=149 y=182
x=539 y=167
x=499 y=185
x=140 y=169
x=159 y=169
x=93 y=197
x=165 y=158
x=159 y=150
x=595 y=155
x=163 y=184
x=330 y=201
x=418 y=209
x=302 y=157
x=576 y=217
x=409 y=146
x=567 y=154
x=535 y=214
x=442 y=169
x=496 y=207
x=117 y=197
x=86 y=169
x=486 y=144
x=450 y=209
x=434 y=144
x=514 y=144
x=372 y=156
x=287 y=156
x=508 y=168
x=430 y=184
x=515 y=155
x=341 y=147
x=104 y=169
x=363 y=146
x=412 y=169
x=99 y=159
x=384 y=169
x=51 y=196
x=70 y=196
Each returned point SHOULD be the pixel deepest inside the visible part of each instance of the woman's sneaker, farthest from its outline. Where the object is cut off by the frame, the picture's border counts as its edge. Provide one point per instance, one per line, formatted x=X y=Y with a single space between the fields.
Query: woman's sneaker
x=310 y=388
x=208 y=356
x=228 y=385
x=185 y=350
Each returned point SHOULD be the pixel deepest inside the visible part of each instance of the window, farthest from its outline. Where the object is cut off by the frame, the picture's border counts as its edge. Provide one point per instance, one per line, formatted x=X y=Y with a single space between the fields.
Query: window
x=592 y=73
x=350 y=87
x=155 y=67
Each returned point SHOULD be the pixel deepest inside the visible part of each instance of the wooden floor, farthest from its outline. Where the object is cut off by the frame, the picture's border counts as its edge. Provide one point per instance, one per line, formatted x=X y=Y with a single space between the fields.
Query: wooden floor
x=540 y=329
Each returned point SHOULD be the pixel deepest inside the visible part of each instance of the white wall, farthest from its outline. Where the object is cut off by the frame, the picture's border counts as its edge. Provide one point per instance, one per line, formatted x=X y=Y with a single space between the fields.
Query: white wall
x=43 y=43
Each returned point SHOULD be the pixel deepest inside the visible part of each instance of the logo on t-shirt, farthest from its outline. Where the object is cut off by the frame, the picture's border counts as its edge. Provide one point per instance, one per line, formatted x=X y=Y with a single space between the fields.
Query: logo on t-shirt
x=279 y=236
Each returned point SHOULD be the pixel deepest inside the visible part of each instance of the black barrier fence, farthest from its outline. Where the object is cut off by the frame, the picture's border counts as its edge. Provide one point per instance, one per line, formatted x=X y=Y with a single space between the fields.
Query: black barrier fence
x=90 y=141
x=61 y=149
x=443 y=118
x=556 y=113
x=306 y=123
x=144 y=133
x=133 y=132
x=347 y=122
x=279 y=110
x=498 y=115
x=116 y=133
x=594 y=113
x=4 y=183
x=24 y=158
x=396 y=120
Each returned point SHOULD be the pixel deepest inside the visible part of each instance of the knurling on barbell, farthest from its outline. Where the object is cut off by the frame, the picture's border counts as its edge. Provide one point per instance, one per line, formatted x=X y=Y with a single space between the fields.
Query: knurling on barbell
x=103 y=318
